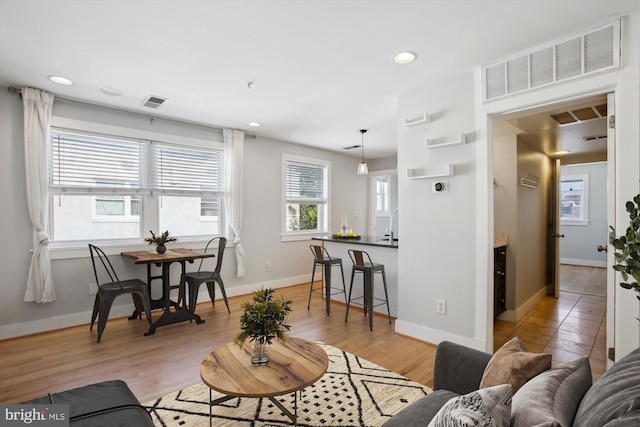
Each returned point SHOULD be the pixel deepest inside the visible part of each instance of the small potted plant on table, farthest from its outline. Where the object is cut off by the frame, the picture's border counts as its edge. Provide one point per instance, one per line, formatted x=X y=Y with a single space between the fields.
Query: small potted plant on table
x=160 y=241
x=263 y=319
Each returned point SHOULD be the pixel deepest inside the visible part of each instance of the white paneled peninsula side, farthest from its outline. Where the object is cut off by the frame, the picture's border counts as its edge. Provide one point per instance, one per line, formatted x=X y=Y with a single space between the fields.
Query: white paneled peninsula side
x=381 y=252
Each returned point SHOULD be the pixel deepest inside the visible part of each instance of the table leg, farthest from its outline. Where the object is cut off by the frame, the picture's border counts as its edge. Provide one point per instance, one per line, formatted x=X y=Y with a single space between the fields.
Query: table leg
x=327 y=286
x=181 y=312
x=369 y=286
x=292 y=416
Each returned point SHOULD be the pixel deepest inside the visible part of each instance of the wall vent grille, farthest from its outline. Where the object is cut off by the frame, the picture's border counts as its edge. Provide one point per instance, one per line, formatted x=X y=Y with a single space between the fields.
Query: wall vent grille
x=591 y=52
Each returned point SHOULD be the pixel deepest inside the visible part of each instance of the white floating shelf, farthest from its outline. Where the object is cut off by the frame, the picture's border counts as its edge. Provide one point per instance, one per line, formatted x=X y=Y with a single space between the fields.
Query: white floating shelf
x=421 y=173
x=431 y=143
x=418 y=121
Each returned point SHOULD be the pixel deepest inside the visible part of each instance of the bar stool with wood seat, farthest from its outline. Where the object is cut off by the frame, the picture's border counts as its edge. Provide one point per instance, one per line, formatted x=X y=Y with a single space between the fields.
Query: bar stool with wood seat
x=362 y=263
x=322 y=257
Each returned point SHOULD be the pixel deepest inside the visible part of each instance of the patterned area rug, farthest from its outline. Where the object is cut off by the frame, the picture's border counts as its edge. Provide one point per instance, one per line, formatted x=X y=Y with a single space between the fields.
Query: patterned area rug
x=353 y=392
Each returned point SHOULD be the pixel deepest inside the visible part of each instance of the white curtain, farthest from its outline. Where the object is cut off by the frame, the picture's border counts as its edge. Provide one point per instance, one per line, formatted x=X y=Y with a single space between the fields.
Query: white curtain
x=233 y=159
x=37 y=114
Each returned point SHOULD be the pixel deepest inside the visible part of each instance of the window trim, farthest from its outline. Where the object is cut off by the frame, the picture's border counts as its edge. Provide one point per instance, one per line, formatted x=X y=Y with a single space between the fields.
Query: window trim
x=288 y=236
x=584 y=178
x=78 y=249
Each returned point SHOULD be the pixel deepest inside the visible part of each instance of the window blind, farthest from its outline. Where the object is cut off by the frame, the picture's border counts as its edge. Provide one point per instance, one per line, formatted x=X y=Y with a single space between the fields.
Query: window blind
x=85 y=163
x=304 y=183
x=179 y=170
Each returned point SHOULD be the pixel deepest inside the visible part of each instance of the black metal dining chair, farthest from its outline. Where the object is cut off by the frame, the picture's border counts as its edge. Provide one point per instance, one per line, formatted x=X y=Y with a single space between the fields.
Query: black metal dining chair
x=196 y=278
x=362 y=264
x=109 y=289
x=321 y=257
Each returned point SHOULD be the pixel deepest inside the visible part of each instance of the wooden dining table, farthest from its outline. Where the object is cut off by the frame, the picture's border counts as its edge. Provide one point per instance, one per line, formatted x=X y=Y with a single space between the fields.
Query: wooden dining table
x=180 y=312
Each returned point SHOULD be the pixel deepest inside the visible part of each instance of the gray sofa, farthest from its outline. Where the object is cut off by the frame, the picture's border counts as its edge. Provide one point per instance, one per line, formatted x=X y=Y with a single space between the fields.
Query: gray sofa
x=104 y=404
x=612 y=401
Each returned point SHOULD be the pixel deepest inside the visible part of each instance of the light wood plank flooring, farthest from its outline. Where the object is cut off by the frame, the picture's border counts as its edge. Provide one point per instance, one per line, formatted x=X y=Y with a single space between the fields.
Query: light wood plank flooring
x=570 y=326
x=170 y=359
x=34 y=365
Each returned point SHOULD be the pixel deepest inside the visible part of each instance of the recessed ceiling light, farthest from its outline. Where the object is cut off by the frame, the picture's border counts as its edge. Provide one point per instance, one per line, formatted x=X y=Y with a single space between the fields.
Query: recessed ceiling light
x=405 y=57
x=61 y=80
x=561 y=152
x=110 y=91
x=254 y=124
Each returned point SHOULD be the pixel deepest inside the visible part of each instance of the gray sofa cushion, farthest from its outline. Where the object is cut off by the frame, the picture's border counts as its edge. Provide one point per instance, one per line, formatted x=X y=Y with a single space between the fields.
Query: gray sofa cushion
x=613 y=400
x=420 y=412
x=105 y=404
x=552 y=398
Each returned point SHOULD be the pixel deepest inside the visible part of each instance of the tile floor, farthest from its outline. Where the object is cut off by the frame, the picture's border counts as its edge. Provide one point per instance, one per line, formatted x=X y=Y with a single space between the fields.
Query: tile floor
x=568 y=327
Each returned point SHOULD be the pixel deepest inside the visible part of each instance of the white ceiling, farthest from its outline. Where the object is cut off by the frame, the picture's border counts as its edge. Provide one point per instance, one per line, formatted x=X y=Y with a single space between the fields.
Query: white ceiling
x=322 y=70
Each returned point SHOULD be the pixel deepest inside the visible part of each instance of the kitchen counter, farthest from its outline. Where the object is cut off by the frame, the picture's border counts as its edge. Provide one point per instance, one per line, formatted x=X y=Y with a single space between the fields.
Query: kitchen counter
x=362 y=240
x=500 y=239
x=381 y=252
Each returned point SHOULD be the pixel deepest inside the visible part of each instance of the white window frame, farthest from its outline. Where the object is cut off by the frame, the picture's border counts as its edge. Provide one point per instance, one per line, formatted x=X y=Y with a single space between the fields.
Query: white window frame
x=385 y=194
x=323 y=220
x=149 y=212
x=584 y=178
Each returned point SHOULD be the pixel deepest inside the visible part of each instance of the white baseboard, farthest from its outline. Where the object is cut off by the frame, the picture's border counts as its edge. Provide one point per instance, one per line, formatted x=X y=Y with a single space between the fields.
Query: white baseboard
x=518 y=313
x=584 y=262
x=74 y=319
x=436 y=336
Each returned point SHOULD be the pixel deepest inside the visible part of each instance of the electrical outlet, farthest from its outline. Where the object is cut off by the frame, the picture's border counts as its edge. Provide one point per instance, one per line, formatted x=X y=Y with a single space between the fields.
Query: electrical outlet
x=93 y=289
x=267 y=266
x=441 y=306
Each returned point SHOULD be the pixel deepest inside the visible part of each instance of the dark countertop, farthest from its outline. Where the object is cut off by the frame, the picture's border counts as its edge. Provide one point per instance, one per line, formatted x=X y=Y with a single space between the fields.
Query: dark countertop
x=362 y=240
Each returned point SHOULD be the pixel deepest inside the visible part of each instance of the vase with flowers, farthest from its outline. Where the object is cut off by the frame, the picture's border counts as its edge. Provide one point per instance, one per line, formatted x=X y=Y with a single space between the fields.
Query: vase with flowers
x=263 y=319
x=160 y=241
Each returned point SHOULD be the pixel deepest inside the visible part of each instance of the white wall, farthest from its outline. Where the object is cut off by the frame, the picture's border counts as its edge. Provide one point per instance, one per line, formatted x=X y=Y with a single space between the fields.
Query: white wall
x=505 y=202
x=437 y=254
x=291 y=261
x=578 y=247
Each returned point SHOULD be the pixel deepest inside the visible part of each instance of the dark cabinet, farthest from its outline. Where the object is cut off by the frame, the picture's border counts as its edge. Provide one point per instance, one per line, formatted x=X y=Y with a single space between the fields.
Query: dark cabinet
x=499 y=280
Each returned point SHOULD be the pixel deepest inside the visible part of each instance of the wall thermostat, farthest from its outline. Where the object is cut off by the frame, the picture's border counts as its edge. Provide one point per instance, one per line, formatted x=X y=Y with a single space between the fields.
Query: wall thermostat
x=440 y=187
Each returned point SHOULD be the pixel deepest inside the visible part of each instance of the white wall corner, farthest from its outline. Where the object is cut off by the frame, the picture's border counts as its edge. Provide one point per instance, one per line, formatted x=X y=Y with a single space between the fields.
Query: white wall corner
x=436 y=336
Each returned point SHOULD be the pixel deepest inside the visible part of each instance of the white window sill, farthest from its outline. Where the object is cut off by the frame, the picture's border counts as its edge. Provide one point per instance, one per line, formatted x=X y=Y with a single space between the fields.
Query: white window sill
x=62 y=251
x=294 y=237
x=581 y=222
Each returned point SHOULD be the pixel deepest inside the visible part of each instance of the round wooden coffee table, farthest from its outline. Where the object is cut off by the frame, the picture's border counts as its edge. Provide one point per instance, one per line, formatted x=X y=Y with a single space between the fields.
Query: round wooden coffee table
x=293 y=365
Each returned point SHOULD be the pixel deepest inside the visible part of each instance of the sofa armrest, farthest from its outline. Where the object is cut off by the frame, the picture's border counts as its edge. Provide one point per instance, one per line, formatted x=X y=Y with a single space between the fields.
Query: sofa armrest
x=458 y=368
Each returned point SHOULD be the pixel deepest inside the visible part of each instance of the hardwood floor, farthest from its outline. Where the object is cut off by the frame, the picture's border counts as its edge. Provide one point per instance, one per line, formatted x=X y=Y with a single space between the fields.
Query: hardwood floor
x=169 y=360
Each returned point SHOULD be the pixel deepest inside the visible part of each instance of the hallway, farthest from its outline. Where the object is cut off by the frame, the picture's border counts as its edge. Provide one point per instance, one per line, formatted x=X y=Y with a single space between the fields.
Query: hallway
x=568 y=327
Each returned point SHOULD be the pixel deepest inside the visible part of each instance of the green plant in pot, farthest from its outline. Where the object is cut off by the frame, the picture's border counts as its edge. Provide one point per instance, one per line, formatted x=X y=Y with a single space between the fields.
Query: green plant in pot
x=263 y=319
x=627 y=248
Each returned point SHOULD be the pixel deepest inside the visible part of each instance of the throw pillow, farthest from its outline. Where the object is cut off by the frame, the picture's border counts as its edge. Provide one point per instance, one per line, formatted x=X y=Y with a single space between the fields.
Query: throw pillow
x=552 y=398
x=488 y=407
x=613 y=400
x=513 y=364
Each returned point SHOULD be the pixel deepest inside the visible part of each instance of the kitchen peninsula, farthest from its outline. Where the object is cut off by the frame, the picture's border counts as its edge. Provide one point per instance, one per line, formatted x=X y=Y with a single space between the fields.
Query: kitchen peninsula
x=381 y=252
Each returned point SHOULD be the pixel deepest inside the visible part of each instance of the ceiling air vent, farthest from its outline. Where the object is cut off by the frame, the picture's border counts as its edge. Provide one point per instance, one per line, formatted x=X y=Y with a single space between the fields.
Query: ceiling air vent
x=153 y=101
x=588 y=53
x=351 y=147
x=580 y=114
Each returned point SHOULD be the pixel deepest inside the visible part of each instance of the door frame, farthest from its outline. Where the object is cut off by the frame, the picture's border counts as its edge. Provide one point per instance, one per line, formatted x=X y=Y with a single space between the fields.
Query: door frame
x=486 y=115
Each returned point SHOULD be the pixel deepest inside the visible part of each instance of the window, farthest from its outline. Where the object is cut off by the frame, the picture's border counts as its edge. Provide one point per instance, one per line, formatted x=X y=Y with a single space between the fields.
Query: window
x=113 y=188
x=306 y=195
x=382 y=193
x=574 y=191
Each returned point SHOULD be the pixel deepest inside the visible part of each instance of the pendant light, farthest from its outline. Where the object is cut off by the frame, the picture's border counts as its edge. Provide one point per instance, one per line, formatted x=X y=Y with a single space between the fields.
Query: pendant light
x=362 y=167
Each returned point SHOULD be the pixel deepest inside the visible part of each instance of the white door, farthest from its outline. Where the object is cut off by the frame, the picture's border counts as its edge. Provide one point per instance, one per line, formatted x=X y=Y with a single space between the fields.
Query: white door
x=611 y=219
x=556 y=236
